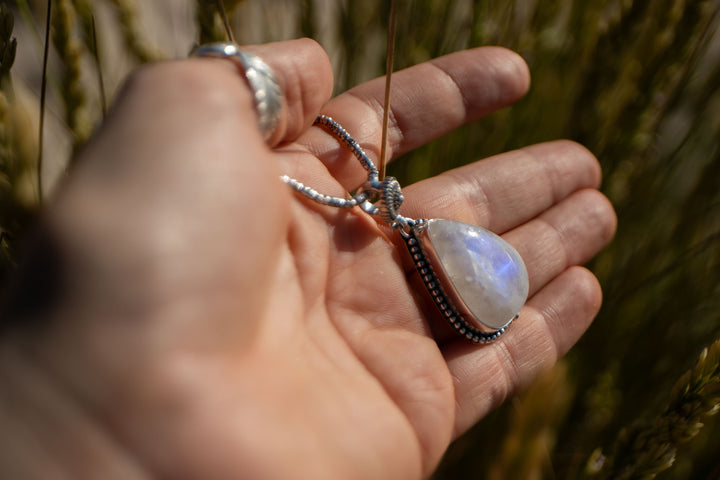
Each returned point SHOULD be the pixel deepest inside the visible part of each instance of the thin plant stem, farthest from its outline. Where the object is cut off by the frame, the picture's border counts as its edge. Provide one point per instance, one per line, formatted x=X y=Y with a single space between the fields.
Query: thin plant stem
x=382 y=164
x=226 y=23
x=43 y=91
x=96 y=54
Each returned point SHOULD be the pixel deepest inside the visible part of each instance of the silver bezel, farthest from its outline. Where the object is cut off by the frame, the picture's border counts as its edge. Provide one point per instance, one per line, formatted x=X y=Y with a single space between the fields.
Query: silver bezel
x=442 y=291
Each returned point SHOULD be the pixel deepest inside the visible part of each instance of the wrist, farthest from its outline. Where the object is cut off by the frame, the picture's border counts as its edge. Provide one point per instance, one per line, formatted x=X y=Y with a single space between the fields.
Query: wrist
x=48 y=433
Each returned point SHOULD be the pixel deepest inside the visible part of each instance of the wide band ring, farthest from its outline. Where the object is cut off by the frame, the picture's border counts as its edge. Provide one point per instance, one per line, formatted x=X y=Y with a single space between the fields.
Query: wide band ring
x=260 y=78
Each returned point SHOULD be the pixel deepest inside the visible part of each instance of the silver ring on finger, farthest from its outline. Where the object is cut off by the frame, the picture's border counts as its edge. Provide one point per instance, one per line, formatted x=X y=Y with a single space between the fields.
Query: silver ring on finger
x=260 y=78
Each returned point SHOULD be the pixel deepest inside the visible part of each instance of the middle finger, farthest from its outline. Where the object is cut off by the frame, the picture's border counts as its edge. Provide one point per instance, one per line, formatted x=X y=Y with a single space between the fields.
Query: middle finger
x=428 y=100
x=506 y=190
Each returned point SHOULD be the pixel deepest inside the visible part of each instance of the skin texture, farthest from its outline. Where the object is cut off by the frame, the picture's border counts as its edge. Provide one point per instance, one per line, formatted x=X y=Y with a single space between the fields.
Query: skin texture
x=201 y=321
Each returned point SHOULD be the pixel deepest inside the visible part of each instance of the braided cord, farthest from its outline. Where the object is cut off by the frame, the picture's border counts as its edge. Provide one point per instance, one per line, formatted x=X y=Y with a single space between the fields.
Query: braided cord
x=337 y=131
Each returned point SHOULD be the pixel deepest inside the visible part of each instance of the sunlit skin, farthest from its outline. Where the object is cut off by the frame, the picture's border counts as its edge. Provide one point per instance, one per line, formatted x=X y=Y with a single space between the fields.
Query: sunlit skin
x=211 y=324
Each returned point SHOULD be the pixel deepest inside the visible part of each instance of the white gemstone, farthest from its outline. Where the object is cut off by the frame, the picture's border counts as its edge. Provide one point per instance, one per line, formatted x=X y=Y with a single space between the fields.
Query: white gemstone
x=487 y=273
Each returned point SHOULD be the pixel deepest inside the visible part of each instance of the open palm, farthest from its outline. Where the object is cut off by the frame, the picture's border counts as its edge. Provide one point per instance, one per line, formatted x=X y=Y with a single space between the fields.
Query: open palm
x=211 y=324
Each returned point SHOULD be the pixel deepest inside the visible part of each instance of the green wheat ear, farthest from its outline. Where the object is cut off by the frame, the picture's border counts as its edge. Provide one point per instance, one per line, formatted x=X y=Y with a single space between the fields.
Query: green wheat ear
x=18 y=151
x=646 y=449
x=212 y=22
x=70 y=50
x=8 y=47
x=209 y=23
x=8 y=44
x=136 y=45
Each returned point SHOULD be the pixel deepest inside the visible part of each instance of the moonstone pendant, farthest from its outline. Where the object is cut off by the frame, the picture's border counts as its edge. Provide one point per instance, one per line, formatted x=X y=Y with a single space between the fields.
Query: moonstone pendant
x=477 y=280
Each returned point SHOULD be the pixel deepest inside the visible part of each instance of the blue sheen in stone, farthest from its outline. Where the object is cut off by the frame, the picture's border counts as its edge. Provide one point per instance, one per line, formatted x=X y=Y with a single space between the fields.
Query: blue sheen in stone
x=487 y=273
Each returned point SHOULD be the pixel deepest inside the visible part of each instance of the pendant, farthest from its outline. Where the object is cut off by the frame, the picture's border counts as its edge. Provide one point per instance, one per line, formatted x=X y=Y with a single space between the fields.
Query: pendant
x=475 y=278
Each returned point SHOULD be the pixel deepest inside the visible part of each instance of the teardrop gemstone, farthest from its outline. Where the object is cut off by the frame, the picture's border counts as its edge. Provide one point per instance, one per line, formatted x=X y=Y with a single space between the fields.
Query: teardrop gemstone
x=488 y=277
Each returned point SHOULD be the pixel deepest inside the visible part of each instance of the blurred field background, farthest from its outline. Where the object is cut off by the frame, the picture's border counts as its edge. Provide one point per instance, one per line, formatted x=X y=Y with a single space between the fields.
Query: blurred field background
x=637 y=82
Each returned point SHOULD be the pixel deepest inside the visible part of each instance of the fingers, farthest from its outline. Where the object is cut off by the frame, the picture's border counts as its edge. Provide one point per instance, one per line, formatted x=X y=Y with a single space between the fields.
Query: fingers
x=506 y=190
x=427 y=101
x=179 y=114
x=550 y=323
x=303 y=72
x=301 y=68
x=305 y=76
x=511 y=189
x=543 y=199
x=568 y=234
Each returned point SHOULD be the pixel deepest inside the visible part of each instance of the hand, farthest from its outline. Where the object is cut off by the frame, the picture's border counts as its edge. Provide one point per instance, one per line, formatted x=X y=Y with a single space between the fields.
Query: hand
x=202 y=321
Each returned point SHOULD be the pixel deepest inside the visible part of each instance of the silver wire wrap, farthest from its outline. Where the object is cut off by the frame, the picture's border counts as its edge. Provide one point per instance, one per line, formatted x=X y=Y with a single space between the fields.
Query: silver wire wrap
x=260 y=78
x=377 y=197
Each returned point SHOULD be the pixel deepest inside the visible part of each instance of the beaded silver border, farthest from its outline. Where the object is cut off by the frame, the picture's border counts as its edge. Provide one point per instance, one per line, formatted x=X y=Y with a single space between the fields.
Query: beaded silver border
x=443 y=302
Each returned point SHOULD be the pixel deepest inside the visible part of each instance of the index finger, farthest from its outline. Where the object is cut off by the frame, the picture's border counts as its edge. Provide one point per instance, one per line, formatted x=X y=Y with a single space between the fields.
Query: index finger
x=427 y=101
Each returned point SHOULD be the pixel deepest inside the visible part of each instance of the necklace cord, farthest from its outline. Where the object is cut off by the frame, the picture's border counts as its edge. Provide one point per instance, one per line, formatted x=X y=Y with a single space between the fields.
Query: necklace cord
x=381 y=198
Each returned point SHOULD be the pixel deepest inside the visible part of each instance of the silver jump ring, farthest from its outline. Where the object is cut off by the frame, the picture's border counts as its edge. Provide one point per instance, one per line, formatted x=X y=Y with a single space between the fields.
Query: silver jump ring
x=260 y=79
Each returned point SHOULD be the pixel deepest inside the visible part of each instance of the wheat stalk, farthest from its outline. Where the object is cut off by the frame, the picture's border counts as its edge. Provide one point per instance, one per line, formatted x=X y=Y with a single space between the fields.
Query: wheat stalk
x=138 y=46
x=646 y=449
x=8 y=44
x=209 y=22
x=70 y=50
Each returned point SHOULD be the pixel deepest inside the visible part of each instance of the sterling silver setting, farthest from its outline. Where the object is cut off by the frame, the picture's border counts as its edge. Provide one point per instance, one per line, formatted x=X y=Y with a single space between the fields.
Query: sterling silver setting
x=383 y=198
x=260 y=78
x=442 y=291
